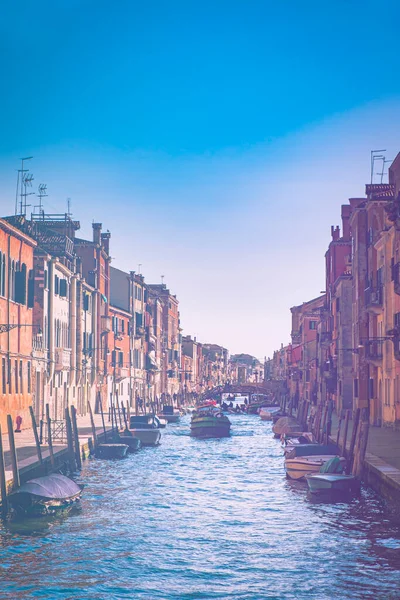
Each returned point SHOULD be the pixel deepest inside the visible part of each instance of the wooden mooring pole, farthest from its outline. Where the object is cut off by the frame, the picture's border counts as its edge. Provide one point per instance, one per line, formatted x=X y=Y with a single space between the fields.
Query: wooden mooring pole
x=70 y=440
x=94 y=434
x=3 y=482
x=49 y=437
x=78 y=457
x=353 y=441
x=13 y=452
x=35 y=433
x=124 y=413
x=102 y=419
x=346 y=428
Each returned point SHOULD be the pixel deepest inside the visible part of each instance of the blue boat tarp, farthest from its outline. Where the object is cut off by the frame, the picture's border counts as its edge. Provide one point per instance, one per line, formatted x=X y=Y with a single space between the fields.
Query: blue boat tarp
x=315 y=450
x=53 y=486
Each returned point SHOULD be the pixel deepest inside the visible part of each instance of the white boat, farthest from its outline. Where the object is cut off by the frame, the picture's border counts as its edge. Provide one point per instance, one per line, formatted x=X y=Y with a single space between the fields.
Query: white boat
x=298 y=468
x=145 y=429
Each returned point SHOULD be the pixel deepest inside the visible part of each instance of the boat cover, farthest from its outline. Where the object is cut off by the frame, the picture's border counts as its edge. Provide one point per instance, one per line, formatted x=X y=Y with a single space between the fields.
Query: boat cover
x=314 y=449
x=51 y=486
x=334 y=465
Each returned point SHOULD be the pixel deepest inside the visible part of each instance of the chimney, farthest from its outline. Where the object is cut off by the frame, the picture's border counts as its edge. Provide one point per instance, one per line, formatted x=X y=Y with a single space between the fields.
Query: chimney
x=105 y=242
x=96 y=232
x=346 y=212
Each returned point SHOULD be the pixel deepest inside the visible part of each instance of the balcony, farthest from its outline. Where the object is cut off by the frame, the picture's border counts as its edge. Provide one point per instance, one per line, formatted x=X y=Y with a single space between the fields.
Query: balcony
x=106 y=324
x=296 y=337
x=140 y=331
x=121 y=373
x=325 y=338
x=38 y=344
x=374 y=299
x=374 y=350
x=62 y=359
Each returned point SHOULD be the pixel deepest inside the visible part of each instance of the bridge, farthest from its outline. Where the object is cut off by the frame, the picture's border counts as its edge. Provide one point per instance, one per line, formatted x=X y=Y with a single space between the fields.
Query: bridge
x=243 y=389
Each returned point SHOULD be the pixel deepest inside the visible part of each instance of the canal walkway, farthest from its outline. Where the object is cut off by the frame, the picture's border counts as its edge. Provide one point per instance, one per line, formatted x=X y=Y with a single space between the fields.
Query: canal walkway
x=26 y=448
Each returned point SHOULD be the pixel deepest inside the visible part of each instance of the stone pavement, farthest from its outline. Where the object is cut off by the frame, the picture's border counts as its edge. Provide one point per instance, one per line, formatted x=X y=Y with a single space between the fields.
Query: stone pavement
x=383 y=442
x=26 y=447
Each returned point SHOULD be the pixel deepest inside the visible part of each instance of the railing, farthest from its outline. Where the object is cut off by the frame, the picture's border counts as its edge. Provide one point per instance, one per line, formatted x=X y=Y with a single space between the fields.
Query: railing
x=62 y=358
x=38 y=343
x=121 y=373
x=374 y=297
x=374 y=349
x=58 y=431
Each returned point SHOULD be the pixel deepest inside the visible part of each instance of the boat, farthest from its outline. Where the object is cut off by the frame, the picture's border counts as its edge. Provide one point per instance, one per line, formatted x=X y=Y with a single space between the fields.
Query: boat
x=267 y=412
x=45 y=496
x=285 y=425
x=118 y=450
x=146 y=429
x=319 y=483
x=170 y=414
x=294 y=439
x=133 y=443
x=208 y=421
x=297 y=450
x=162 y=422
x=331 y=479
x=299 y=467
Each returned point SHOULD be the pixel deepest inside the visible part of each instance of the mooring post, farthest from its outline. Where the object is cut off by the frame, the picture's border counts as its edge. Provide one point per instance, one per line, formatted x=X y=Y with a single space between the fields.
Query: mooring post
x=35 y=433
x=119 y=415
x=102 y=418
x=13 y=452
x=124 y=413
x=3 y=482
x=339 y=428
x=353 y=440
x=346 y=427
x=78 y=457
x=93 y=425
x=70 y=440
x=49 y=436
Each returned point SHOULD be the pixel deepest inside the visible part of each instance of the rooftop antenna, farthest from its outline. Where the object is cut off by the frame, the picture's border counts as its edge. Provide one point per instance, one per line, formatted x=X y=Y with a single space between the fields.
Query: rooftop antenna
x=20 y=185
x=375 y=155
x=69 y=207
x=384 y=161
x=162 y=279
x=42 y=193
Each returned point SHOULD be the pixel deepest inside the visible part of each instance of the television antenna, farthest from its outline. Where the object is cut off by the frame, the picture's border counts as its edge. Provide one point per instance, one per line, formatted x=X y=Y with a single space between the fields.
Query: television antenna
x=375 y=155
x=24 y=180
x=41 y=193
x=384 y=161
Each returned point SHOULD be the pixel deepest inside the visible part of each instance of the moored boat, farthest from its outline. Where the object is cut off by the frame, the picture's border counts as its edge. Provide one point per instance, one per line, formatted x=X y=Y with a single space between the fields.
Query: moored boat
x=133 y=443
x=319 y=483
x=44 y=496
x=298 y=468
x=146 y=429
x=285 y=425
x=208 y=421
x=267 y=412
x=170 y=414
x=111 y=450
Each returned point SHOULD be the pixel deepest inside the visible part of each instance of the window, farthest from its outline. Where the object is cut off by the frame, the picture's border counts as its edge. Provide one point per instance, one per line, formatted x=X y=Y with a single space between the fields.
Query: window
x=122 y=326
x=371 y=388
x=312 y=325
x=121 y=359
x=29 y=377
x=20 y=285
x=56 y=284
x=3 y=376
x=86 y=302
x=113 y=358
x=9 y=379
x=16 y=377
x=337 y=305
x=45 y=283
x=139 y=319
x=355 y=388
x=31 y=289
x=63 y=288
x=21 y=385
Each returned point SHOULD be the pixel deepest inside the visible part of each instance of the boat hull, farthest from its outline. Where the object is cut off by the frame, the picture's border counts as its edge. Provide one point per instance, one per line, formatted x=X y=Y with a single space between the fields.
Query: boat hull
x=330 y=482
x=298 y=468
x=148 y=437
x=134 y=444
x=111 y=451
x=210 y=427
x=169 y=418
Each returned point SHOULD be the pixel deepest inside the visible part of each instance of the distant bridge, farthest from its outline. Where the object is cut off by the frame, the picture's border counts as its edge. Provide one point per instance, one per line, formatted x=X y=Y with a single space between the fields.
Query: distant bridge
x=264 y=387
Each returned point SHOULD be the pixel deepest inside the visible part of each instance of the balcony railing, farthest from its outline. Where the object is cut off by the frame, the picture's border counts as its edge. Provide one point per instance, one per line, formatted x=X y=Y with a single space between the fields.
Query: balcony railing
x=62 y=359
x=325 y=338
x=140 y=331
x=374 y=298
x=121 y=373
x=374 y=349
x=38 y=343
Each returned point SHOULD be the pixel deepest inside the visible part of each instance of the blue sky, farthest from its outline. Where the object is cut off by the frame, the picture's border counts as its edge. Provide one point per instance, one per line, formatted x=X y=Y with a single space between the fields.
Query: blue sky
x=216 y=140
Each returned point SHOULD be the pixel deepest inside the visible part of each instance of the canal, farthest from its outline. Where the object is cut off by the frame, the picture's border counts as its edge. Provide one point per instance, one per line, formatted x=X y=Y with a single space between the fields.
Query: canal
x=196 y=519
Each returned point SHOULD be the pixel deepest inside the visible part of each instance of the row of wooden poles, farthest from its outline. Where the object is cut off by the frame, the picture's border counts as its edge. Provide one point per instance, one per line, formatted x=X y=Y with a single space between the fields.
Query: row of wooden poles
x=74 y=454
x=321 y=429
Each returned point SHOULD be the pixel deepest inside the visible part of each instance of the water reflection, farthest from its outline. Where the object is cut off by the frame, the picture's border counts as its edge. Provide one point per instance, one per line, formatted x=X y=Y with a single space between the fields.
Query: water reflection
x=204 y=519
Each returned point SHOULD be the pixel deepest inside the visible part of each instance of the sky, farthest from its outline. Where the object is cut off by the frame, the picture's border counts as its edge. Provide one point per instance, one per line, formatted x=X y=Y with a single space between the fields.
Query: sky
x=215 y=140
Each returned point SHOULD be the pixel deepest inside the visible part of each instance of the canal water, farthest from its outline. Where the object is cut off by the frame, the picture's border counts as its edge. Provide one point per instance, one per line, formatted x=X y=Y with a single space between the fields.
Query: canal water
x=197 y=519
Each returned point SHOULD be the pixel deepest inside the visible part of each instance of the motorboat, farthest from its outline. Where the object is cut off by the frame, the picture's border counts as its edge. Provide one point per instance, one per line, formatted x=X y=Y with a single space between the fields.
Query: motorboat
x=45 y=496
x=146 y=429
x=133 y=443
x=170 y=414
x=299 y=467
x=297 y=450
x=285 y=425
x=320 y=483
x=208 y=421
x=118 y=450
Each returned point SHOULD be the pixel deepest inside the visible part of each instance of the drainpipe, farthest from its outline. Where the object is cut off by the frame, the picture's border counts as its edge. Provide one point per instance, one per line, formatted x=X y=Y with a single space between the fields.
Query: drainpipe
x=96 y=337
